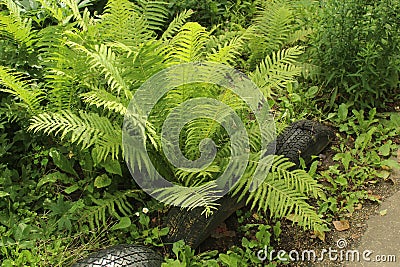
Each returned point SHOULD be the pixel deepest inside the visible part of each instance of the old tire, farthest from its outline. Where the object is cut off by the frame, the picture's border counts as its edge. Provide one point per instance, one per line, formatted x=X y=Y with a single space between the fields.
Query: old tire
x=303 y=138
x=122 y=256
x=193 y=227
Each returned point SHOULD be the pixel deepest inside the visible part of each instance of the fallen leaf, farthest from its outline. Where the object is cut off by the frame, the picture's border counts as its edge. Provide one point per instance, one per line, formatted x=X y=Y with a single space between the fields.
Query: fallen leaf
x=341 y=225
x=256 y=216
x=355 y=236
x=383 y=212
x=375 y=197
x=320 y=235
x=358 y=207
x=386 y=168
x=222 y=231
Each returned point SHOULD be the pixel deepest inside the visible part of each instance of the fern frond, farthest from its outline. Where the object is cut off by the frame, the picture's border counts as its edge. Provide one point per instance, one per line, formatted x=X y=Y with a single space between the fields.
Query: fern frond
x=197 y=178
x=154 y=12
x=105 y=60
x=122 y=23
x=282 y=192
x=227 y=53
x=190 y=197
x=188 y=44
x=277 y=70
x=144 y=61
x=299 y=35
x=176 y=24
x=17 y=29
x=114 y=205
x=12 y=82
x=83 y=19
x=102 y=98
x=274 y=23
x=54 y=9
x=86 y=130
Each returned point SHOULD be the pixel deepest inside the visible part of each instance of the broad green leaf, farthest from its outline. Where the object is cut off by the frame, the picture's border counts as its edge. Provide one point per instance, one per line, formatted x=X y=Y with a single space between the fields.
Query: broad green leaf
x=71 y=189
x=312 y=91
x=345 y=158
x=62 y=162
x=385 y=149
x=112 y=166
x=52 y=178
x=342 y=112
x=390 y=163
x=123 y=223
x=4 y=194
x=102 y=181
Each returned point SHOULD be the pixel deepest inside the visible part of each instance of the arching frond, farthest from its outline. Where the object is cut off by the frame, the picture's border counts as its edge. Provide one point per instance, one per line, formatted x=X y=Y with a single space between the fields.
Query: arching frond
x=277 y=70
x=176 y=24
x=102 y=98
x=17 y=29
x=122 y=23
x=83 y=19
x=226 y=53
x=12 y=82
x=191 y=197
x=282 y=192
x=86 y=130
x=154 y=12
x=273 y=23
x=188 y=44
x=105 y=60
x=114 y=205
x=144 y=61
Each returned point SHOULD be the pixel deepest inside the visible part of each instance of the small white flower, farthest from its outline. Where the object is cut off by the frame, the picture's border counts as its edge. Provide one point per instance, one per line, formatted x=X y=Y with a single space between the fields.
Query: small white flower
x=137 y=213
x=145 y=210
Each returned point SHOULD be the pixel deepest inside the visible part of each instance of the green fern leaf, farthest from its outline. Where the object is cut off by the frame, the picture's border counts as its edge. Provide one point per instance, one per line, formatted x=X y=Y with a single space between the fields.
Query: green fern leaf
x=277 y=70
x=12 y=82
x=188 y=44
x=87 y=129
x=176 y=24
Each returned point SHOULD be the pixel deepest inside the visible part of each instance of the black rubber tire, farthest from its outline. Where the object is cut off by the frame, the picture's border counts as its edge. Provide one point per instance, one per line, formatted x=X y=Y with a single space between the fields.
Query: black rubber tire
x=303 y=138
x=122 y=256
x=193 y=227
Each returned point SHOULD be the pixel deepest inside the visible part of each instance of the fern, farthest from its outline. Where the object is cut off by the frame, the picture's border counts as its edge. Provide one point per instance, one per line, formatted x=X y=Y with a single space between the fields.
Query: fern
x=188 y=44
x=12 y=82
x=122 y=23
x=94 y=66
x=277 y=70
x=113 y=205
x=105 y=59
x=176 y=24
x=102 y=98
x=14 y=26
x=83 y=20
x=154 y=12
x=227 y=53
x=191 y=197
x=87 y=129
x=282 y=192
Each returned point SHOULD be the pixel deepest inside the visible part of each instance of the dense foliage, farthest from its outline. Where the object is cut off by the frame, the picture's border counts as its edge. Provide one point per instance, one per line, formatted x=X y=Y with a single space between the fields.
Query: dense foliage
x=68 y=70
x=357 y=47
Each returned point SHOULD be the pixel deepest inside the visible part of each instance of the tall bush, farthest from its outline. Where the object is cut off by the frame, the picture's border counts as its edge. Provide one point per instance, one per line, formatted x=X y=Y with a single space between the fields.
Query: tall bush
x=357 y=47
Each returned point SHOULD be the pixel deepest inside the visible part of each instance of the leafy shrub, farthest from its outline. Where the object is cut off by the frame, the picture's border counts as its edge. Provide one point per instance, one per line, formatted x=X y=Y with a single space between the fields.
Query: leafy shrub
x=357 y=47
